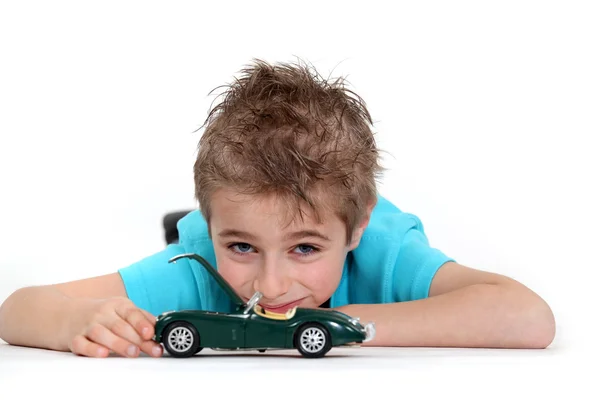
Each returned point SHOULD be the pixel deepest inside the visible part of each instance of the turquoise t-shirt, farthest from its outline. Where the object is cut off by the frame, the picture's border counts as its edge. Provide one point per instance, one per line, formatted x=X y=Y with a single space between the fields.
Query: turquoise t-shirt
x=393 y=263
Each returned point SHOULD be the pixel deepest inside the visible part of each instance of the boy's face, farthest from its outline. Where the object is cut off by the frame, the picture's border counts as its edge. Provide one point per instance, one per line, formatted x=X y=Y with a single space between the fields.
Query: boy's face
x=291 y=264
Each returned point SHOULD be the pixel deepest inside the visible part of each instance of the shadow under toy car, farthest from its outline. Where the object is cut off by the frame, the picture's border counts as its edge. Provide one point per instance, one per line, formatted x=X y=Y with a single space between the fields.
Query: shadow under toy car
x=313 y=332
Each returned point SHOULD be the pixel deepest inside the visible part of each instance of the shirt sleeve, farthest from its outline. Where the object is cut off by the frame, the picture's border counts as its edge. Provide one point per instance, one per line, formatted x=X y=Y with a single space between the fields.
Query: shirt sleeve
x=416 y=264
x=155 y=285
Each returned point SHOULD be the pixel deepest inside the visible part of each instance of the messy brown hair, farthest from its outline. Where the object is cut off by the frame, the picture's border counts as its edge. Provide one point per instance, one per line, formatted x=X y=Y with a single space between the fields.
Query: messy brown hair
x=284 y=130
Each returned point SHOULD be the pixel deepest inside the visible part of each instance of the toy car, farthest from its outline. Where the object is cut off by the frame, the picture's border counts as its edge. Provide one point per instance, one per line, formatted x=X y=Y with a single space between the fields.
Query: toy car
x=313 y=332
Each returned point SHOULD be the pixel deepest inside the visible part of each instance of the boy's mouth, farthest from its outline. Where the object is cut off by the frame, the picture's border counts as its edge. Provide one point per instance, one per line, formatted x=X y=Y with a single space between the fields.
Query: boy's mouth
x=281 y=308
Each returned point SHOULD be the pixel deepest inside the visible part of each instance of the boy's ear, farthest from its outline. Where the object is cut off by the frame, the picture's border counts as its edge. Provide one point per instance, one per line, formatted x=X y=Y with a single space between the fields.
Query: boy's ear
x=360 y=229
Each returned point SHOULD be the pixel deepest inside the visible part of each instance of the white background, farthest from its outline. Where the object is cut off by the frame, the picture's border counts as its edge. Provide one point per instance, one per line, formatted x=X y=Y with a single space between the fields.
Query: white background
x=488 y=113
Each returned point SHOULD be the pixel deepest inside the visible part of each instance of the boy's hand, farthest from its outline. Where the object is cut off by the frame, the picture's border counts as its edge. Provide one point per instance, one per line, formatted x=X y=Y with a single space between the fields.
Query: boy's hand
x=98 y=327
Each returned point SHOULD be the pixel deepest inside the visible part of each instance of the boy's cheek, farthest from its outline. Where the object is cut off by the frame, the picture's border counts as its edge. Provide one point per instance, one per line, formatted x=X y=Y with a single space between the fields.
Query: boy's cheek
x=234 y=276
x=230 y=274
x=324 y=279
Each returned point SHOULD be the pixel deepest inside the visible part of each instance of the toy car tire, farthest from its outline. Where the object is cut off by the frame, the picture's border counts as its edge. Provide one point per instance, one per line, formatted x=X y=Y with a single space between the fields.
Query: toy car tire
x=181 y=339
x=312 y=340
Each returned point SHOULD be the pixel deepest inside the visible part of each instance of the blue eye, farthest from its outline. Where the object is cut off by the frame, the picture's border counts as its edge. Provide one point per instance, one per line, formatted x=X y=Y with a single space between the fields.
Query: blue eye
x=302 y=250
x=306 y=250
x=242 y=248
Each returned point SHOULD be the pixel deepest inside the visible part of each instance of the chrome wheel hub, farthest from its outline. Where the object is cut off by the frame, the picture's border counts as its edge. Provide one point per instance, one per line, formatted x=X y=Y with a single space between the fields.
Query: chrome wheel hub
x=313 y=340
x=181 y=339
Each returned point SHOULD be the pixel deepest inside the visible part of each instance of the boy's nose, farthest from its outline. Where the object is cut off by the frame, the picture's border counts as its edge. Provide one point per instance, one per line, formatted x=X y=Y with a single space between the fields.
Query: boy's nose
x=272 y=282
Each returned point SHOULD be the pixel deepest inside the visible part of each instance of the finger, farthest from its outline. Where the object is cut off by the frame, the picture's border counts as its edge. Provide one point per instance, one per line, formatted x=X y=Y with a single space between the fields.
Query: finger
x=136 y=318
x=81 y=346
x=122 y=328
x=101 y=335
x=149 y=316
x=152 y=348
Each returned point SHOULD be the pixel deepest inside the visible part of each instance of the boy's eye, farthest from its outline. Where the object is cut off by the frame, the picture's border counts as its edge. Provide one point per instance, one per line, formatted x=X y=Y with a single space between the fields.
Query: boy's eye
x=242 y=247
x=306 y=249
x=245 y=248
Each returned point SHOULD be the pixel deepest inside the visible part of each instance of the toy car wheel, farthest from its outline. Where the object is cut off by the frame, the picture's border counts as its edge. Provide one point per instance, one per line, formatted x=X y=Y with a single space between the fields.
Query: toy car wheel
x=313 y=340
x=181 y=339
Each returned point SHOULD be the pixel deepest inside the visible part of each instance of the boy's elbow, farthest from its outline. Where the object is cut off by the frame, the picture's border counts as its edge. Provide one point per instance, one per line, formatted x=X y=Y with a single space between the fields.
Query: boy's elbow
x=548 y=330
x=4 y=305
x=542 y=325
x=532 y=325
x=3 y=311
x=7 y=310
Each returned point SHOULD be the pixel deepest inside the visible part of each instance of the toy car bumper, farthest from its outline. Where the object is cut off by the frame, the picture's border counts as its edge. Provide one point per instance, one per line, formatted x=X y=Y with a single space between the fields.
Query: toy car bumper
x=369 y=331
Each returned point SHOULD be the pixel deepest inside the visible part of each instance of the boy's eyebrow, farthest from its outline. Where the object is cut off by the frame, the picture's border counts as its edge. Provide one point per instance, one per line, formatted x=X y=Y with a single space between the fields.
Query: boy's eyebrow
x=305 y=233
x=290 y=236
x=234 y=232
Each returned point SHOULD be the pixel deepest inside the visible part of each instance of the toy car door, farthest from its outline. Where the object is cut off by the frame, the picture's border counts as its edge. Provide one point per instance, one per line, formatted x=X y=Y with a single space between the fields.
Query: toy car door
x=266 y=330
x=222 y=331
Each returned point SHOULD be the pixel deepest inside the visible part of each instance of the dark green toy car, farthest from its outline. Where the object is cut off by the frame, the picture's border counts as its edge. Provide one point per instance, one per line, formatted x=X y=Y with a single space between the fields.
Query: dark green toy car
x=313 y=332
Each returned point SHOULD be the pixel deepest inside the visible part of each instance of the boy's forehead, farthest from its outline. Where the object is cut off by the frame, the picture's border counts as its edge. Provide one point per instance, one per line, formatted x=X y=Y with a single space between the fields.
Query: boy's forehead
x=241 y=209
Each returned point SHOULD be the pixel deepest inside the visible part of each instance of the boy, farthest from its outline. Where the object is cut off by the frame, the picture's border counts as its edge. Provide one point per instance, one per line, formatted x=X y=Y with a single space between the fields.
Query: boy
x=286 y=183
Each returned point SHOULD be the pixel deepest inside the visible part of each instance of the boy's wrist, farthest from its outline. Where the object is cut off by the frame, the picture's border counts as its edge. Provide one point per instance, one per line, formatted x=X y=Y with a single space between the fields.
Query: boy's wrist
x=68 y=318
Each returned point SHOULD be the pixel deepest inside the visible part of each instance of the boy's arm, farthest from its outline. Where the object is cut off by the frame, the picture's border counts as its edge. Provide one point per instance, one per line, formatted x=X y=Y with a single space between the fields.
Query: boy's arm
x=36 y=316
x=44 y=316
x=110 y=313
x=465 y=308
